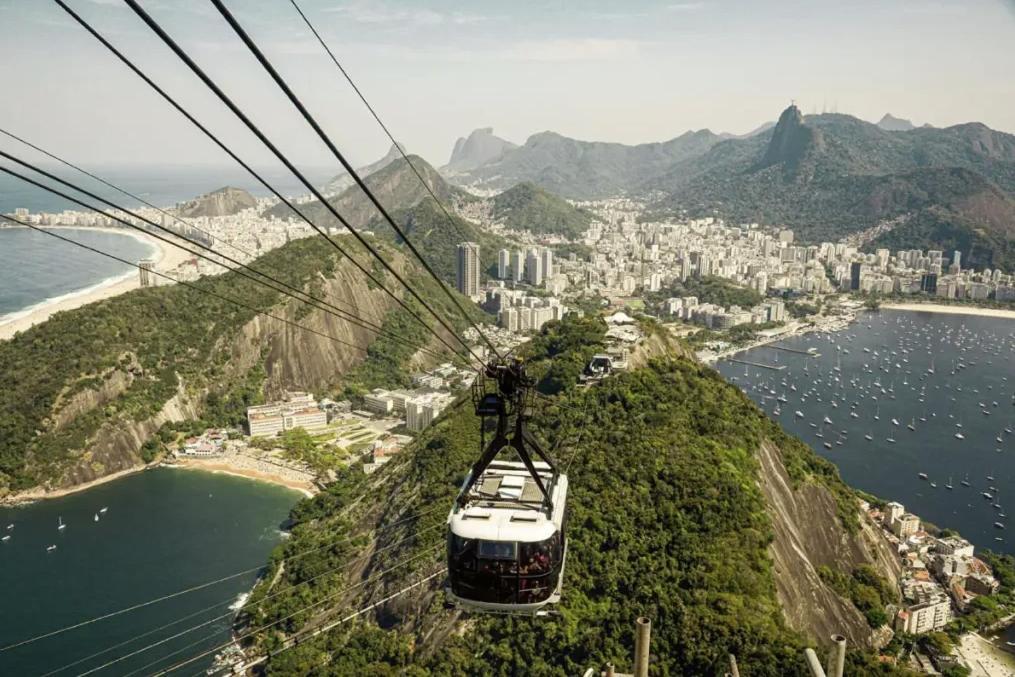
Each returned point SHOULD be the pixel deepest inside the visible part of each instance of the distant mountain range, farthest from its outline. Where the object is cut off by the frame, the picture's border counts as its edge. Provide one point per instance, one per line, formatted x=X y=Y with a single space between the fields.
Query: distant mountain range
x=825 y=175
x=828 y=175
x=394 y=184
x=584 y=169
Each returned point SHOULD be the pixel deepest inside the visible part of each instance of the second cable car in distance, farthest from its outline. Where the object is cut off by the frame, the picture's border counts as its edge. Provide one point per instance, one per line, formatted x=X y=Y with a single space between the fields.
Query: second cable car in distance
x=506 y=532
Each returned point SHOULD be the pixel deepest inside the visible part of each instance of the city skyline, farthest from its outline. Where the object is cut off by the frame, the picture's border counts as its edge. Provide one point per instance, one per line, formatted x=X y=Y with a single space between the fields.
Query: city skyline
x=650 y=71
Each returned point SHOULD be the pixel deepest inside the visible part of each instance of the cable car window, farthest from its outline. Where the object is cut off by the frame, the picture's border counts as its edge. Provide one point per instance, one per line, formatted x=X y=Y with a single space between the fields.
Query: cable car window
x=498 y=550
x=536 y=558
x=463 y=552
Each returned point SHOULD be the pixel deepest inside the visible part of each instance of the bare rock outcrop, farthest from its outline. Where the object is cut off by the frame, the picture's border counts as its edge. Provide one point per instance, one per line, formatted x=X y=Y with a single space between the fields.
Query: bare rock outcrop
x=808 y=535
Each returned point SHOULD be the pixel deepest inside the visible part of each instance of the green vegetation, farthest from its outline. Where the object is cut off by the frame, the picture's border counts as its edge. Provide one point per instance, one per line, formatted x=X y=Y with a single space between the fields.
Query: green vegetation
x=716 y=290
x=529 y=207
x=868 y=591
x=388 y=363
x=683 y=540
x=742 y=334
x=801 y=309
x=299 y=445
x=565 y=348
x=144 y=346
x=950 y=230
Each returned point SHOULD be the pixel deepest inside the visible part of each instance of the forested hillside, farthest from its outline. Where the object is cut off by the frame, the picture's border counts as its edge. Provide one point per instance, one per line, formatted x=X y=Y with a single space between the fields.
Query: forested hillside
x=396 y=187
x=829 y=175
x=81 y=394
x=529 y=207
x=667 y=520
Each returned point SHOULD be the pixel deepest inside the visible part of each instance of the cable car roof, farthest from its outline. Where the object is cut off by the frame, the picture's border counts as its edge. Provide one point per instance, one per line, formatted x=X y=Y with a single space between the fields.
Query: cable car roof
x=505 y=504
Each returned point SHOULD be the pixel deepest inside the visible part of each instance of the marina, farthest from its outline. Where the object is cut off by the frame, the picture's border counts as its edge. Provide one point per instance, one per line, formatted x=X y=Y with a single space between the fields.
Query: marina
x=914 y=407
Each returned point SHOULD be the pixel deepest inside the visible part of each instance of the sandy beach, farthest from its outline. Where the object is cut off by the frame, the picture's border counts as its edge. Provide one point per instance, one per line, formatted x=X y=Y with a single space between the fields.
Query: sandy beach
x=39 y=494
x=308 y=489
x=166 y=258
x=951 y=310
x=985 y=659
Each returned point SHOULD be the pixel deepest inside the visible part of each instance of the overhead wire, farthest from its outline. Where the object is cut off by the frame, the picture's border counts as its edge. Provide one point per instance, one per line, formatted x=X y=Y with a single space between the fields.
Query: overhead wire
x=244 y=635
x=228 y=102
x=206 y=609
x=284 y=200
x=184 y=283
x=126 y=193
x=179 y=593
x=295 y=100
x=377 y=117
x=331 y=626
x=186 y=224
x=314 y=302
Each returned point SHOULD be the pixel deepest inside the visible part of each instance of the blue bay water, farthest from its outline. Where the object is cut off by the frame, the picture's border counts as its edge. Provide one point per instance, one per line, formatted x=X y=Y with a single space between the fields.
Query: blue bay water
x=907 y=345
x=35 y=267
x=165 y=530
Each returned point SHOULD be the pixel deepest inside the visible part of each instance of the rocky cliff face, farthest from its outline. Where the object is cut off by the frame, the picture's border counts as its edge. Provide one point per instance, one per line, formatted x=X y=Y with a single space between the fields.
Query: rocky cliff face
x=293 y=359
x=222 y=202
x=807 y=536
x=791 y=141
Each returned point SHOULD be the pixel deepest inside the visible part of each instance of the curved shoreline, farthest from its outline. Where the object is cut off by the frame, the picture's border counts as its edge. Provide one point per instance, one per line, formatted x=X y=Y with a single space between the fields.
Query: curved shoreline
x=39 y=494
x=164 y=256
x=949 y=309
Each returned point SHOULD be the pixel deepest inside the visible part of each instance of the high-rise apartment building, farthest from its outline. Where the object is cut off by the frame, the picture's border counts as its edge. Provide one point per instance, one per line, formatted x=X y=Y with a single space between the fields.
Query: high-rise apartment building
x=503 y=264
x=467 y=270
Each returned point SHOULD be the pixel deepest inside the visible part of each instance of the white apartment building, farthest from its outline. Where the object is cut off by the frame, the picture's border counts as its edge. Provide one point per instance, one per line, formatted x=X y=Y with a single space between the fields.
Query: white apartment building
x=297 y=410
x=930 y=608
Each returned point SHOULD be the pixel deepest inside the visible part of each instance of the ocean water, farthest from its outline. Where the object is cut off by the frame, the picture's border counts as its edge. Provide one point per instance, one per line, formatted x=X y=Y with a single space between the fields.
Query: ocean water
x=165 y=530
x=161 y=186
x=879 y=369
x=37 y=268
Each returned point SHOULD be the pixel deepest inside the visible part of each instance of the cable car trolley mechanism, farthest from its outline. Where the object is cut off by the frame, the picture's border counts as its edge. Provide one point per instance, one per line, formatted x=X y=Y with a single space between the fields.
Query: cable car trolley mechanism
x=506 y=530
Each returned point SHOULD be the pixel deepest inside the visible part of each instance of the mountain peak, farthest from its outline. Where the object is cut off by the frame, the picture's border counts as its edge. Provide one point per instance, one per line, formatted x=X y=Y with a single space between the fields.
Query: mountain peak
x=890 y=123
x=791 y=140
x=479 y=148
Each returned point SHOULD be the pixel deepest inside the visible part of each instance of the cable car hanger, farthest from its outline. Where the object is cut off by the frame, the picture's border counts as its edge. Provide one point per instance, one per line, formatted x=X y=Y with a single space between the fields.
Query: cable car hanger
x=510 y=400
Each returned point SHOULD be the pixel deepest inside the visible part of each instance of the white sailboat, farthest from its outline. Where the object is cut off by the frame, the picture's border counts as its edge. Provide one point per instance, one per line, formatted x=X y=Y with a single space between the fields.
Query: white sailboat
x=60 y=525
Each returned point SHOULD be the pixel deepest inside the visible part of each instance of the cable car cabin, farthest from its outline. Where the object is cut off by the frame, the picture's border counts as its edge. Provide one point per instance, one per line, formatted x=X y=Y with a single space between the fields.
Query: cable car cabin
x=598 y=367
x=506 y=547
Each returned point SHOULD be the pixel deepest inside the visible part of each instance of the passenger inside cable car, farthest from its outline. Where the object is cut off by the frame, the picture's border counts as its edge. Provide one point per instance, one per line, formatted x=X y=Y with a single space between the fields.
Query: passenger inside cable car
x=504 y=572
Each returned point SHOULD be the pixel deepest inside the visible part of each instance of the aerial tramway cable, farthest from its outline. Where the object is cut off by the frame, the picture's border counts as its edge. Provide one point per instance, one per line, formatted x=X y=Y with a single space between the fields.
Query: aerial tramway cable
x=126 y=193
x=199 y=72
x=249 y=633
x=184 y=283
x=214 y=606
x=185 y=224
x=377 y=117
x=295 y=100
x=183 y=111
x=340 y=314
x=206 y=584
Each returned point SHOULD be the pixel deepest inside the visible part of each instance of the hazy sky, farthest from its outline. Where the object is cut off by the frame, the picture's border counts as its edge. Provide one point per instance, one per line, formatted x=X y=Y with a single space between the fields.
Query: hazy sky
x=613 y=71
